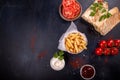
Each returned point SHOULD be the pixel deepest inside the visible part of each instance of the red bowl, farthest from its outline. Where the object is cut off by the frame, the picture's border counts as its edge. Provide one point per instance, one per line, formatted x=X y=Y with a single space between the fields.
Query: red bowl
x=67 y=19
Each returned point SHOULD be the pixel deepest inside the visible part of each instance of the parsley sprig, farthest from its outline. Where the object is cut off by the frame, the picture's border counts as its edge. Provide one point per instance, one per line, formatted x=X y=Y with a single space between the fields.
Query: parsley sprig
x=59 y=55
x=95 y=7
x=99 y=7
x=104 y=16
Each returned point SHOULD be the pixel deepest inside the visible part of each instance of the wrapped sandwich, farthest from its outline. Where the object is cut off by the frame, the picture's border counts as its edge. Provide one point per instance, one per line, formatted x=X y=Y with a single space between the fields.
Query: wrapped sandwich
x=101 y=18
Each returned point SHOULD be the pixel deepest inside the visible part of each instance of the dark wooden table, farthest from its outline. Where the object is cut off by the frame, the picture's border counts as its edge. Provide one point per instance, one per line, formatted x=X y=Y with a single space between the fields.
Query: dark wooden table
x=29 y=34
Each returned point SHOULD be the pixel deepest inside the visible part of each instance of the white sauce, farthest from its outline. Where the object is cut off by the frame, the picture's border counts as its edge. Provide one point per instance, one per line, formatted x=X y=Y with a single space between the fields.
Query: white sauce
x=57 y=64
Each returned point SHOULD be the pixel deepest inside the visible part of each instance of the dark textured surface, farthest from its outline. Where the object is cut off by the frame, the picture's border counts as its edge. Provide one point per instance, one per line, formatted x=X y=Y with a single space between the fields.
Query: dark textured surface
x=29 y=28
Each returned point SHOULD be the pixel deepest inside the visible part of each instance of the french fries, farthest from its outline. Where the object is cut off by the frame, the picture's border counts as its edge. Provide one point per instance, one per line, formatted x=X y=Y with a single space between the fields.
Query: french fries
x=75 y=42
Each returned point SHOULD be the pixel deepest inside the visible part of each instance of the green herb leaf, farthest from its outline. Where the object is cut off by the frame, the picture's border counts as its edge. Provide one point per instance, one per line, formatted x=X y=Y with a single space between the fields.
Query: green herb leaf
x=100 y=3
x=55 y=55
x=104 y=10
x=100 y=8
x=60 y=53
x=61 y=57
x=108 y=15
x=95 y=4
x=105 y=16
x=92 y=13
x=93 y=8
x=102 y=17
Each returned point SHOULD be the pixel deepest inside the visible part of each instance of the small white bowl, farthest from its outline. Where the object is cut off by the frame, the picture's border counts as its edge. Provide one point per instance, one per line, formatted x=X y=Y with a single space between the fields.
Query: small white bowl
x=57 y=64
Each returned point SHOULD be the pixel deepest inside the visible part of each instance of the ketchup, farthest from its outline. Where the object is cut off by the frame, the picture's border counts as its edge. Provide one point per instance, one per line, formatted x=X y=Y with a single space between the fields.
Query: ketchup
x=87 y=72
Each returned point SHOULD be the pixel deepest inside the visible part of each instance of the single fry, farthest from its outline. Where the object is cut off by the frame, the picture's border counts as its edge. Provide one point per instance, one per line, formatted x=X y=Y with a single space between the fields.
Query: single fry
x=76 y=48
x=69 y=43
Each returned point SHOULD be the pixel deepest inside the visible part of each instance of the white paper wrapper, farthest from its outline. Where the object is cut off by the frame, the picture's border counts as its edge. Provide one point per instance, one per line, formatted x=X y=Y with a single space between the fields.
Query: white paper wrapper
x=72 y=28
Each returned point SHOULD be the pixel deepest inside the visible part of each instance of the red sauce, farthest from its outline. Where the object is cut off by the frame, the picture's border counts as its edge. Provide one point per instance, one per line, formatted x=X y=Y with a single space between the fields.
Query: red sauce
x=32 y=44
x=87 y=72
x=76 y=63
x=42 y=54
x=33 y=40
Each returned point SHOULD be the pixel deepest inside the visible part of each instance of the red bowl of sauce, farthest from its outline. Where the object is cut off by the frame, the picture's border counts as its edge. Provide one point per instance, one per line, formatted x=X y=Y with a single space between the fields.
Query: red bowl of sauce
x=87 y=72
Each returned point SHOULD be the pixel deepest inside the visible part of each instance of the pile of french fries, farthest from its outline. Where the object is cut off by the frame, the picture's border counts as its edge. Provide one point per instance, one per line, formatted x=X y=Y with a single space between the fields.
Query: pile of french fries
x=75 y=43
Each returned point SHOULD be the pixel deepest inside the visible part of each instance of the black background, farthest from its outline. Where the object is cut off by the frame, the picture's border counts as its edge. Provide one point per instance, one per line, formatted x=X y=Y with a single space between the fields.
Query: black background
x=29 y=28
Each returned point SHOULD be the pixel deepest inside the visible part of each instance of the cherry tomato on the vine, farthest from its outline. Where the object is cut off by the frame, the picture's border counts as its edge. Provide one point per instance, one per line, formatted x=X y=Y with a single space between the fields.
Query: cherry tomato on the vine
x=103 y=44
x=117 y=43
x=110 y=43
x=98 y=51
x=114 y=51
x=106 y=51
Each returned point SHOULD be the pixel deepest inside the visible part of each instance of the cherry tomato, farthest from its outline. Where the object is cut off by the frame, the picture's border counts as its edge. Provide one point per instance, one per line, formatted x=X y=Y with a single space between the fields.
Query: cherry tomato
x=103 y=44
x=106 y=51
x=114 y=51
x=110 y=43
x=117 y=43
x=98 y=51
